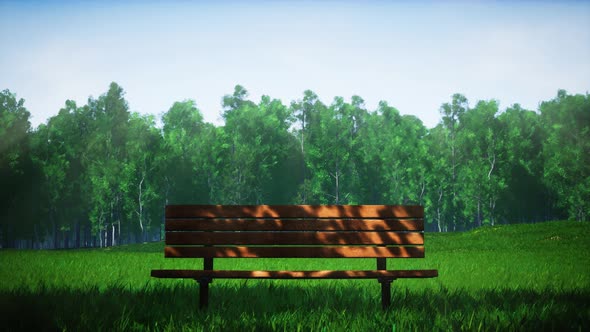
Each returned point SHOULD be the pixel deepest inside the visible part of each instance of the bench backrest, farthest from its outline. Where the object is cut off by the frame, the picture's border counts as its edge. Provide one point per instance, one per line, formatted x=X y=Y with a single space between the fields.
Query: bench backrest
x=290 y=231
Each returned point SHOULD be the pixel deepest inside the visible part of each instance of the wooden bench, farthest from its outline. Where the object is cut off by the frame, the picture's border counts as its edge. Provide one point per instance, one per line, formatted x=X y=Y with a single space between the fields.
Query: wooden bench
x=294 y=231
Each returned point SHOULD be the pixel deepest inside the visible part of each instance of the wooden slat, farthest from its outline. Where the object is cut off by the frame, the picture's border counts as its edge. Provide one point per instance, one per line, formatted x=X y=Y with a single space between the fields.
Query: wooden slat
x=229 y=274
x=294 y=252
x=293 y=238
x=294 y=211
x=294 y=225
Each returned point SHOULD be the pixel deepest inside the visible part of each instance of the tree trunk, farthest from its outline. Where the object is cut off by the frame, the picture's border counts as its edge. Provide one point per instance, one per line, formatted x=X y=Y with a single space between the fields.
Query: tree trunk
x=422 y=189
x=55 y=239
x=66 y=237
x=337 y=187
x=36 y=237
x=77 y=231
x=440 y=195
x=478 y=212
x=128 y=235
x=492 y=208
x=454 y=177
x=140 y=204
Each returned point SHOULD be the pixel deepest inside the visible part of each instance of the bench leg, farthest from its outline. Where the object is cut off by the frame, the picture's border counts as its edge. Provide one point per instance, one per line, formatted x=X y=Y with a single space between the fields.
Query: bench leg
x=385 y=292
x=203 y=292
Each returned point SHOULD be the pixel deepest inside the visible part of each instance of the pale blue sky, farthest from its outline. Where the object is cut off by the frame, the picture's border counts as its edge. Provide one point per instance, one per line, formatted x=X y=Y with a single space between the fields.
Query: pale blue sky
x=414 y=55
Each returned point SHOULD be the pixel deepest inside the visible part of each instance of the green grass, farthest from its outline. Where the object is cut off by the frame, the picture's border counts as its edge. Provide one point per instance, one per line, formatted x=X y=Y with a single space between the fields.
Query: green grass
x=517 y=277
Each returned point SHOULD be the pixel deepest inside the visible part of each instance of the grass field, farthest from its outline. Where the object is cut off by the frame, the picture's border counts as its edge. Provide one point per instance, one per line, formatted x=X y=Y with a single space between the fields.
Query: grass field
x=506 y=278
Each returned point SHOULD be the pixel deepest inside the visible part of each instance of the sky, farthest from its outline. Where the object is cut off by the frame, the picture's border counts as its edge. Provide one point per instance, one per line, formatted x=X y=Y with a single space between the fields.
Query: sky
x=413 y=54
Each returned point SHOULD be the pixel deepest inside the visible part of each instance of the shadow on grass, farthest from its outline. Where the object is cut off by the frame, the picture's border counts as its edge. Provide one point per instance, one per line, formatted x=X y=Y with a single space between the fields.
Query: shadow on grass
x=288 y=306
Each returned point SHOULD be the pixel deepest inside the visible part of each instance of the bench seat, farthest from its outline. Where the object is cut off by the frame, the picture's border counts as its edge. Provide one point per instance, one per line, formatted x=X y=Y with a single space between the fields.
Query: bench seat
x=322 y=274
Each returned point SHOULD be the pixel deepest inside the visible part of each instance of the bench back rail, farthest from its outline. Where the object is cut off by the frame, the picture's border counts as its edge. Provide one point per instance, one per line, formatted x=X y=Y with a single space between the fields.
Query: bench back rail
x=294 y=231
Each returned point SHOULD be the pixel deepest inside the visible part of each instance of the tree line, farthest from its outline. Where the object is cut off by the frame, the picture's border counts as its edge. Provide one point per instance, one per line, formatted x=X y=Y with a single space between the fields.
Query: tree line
x=100 y=175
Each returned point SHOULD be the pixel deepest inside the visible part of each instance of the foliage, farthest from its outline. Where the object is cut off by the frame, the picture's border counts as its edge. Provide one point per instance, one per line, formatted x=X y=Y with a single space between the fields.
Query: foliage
x=17 y=173
x=100 y=175
x=566 y=152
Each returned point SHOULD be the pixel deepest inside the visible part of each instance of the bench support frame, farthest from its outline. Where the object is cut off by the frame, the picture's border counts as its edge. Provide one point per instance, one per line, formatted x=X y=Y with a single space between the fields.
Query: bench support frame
x=204 y=284
x=204 y=291
x=331 y=231
x=385 y=284
x=208 y=265
x=385 y=292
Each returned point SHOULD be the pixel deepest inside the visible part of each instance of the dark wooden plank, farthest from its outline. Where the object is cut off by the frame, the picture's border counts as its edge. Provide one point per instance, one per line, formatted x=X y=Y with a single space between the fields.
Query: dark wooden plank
x=357 y=274
x=293 y=238
x=294 y=252
x=294 y=211
x=294 y=225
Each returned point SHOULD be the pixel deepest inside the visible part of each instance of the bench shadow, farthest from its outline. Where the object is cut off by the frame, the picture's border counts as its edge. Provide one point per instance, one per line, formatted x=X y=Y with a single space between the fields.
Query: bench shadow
x=255 y=305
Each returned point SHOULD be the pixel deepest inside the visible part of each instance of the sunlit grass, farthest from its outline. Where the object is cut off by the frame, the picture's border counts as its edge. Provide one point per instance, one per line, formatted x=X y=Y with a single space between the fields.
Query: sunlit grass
x=518 y=277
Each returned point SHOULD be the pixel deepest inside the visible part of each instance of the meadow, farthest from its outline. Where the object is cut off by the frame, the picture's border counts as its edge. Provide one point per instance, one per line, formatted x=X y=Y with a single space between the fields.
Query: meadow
x=525 y=277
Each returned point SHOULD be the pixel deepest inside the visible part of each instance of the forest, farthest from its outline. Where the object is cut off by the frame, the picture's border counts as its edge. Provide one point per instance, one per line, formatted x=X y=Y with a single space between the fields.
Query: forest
x=100 y=175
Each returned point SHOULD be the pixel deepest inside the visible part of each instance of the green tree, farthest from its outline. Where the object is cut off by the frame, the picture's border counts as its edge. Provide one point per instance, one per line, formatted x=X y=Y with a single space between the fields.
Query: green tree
x=142 y=172
x=525 y=198
x=394 y=154
x=438 y=173
x=481 y=177
x=370 y=157
x=235 y=100
x=59 y=146
x=255 y=142
x=17 y=174
x=105 y=162
x=566 y=152
x=328 y=154
x=185 y=176
x=305 y=111
x=281 y=185
x=452 y=114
